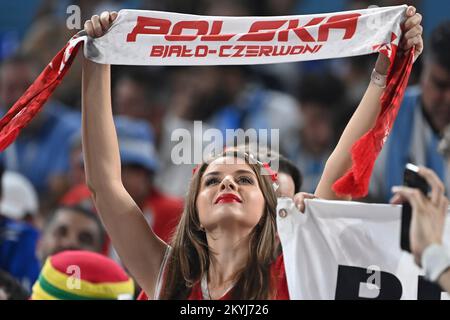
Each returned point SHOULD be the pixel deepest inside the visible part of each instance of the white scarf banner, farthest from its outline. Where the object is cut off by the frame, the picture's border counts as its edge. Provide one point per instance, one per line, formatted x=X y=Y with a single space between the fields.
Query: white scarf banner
x=350 y=250
x=140 y=37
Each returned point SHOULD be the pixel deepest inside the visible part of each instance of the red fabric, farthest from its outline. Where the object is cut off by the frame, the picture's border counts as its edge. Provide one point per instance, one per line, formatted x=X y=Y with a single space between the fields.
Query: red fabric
x=78 y=194
x=32 y=101
x=142 y=296
x=277 y=270
x=94 y=267
x=365 y=151
x=165 y=213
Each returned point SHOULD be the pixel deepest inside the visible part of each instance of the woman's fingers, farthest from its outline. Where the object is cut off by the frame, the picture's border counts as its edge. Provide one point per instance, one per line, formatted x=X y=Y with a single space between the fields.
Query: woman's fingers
x=413 y=21
x=418 y=48
x=89 y=28
x=410 y=11
x=98 y=25
x=413 y=32
x=404 y=194
x=113 y=15
x=412 y=42
x=413 y=196
x=104 y=20
x=299 y=200
x=397 y=199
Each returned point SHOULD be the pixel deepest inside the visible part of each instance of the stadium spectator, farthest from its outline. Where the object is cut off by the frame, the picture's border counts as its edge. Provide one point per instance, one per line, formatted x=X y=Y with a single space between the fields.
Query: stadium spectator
x=82 y=275
x=140 y=94
x=421 y=121
x=427 y=227
x=17 y=246
x=41 y=151
x=74 y=227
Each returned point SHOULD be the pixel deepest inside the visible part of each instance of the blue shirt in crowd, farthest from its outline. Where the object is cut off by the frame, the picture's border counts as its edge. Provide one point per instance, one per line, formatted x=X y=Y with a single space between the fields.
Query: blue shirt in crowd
x=18 y=251
x=412 y=139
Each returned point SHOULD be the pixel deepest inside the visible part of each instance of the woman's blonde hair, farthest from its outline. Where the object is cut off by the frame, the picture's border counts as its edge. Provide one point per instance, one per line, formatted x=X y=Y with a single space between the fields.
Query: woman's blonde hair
x=190 y=257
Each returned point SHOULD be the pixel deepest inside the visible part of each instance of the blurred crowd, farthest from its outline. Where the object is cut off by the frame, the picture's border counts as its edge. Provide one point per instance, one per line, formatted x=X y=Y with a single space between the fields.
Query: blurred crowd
x=45 y=205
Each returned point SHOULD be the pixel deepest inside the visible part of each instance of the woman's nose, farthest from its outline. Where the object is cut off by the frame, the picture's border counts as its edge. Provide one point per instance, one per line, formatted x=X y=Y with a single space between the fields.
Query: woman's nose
x=228 y=183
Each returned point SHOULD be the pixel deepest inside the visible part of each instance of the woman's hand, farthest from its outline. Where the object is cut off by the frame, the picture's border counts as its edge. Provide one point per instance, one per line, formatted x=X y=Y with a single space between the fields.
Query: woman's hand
x=299 y=200
x=412 y=32
x=412 y=37
x=98 y=25
x=428 y=213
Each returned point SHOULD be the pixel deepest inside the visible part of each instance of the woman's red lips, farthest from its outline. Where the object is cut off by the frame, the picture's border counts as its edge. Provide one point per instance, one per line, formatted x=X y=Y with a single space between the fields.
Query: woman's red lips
x=227 y=197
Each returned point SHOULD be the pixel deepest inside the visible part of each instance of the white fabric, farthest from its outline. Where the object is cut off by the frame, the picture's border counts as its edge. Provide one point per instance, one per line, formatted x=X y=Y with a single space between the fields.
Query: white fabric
x=139 y=37
x=347 y=234
x=435 y=260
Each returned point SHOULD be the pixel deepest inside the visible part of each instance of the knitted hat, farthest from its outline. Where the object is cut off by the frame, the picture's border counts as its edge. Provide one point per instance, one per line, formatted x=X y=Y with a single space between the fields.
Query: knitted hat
x=82 y=275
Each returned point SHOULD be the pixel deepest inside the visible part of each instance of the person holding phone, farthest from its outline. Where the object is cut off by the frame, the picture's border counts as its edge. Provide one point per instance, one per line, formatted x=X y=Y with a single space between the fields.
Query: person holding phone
x=427 y=227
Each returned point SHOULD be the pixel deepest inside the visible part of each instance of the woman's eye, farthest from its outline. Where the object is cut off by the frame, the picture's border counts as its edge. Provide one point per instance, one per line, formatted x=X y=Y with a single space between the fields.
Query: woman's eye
x=246 y=180
x=211 y=181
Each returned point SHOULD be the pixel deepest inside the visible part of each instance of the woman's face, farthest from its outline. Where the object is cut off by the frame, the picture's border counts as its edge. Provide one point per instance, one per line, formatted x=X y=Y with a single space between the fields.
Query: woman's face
x=229 y=196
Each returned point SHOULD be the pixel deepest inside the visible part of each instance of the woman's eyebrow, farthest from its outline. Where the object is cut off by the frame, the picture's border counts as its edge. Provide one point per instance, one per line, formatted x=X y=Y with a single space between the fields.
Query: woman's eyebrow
x=213 y=173
x=240 y=171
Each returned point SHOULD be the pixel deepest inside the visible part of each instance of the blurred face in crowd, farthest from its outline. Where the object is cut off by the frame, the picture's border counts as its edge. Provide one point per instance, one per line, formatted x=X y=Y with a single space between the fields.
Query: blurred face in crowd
x=137 y=181
x=198 y=92
x=435 y=84
x=229 y=196
x=286 y=186
x=15 y=78
x=70 y=230
x=135 y=99
x=130 y=99
x=317 y=130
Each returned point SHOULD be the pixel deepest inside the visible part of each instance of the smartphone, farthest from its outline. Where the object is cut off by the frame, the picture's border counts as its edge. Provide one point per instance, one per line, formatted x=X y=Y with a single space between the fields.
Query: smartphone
x=412 y=179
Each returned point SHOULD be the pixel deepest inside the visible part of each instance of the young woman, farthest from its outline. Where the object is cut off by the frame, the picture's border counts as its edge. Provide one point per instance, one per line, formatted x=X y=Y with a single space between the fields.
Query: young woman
x=224 y=246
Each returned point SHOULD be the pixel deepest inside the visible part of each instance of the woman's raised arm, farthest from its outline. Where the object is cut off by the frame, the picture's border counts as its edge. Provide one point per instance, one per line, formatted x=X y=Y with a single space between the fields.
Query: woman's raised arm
x=139 y=248
x=367 y=112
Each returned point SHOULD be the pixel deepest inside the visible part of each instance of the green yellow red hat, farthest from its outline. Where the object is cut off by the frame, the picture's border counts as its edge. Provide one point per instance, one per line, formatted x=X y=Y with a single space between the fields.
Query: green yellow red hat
x=82 y=275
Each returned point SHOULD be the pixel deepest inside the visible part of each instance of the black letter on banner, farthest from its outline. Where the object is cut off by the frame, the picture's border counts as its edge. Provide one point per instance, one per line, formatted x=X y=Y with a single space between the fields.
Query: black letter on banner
x=427 y=290
x=350 y=278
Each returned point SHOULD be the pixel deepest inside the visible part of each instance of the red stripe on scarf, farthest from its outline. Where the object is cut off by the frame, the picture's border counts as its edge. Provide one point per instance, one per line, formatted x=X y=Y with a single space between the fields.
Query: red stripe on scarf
x=32 y=101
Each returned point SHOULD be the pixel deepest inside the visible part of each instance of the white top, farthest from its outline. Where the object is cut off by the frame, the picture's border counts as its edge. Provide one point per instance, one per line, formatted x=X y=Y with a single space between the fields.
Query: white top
x=159 y=281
